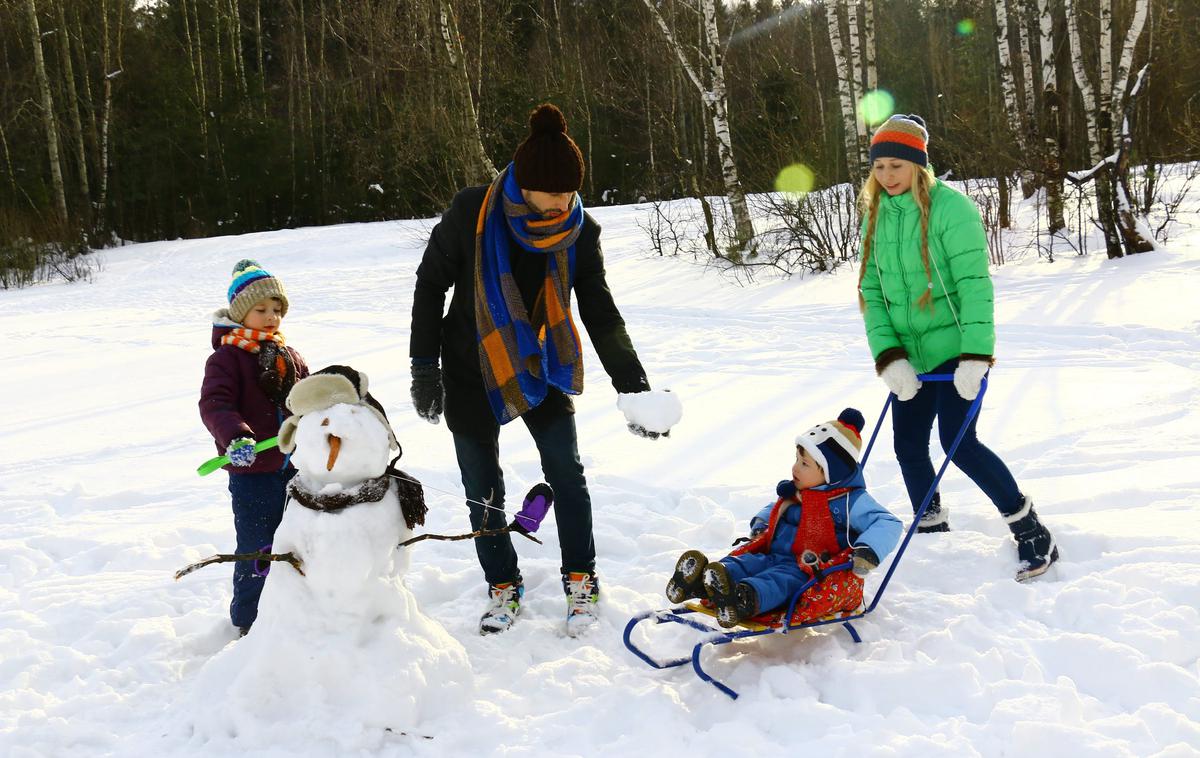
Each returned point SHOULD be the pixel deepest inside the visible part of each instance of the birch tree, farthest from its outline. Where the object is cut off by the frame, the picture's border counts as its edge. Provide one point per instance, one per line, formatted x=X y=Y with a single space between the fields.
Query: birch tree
x=1025 y=49
x=64 y=40
x=1104 y=106
x=1028 y=135
x=1008 y=86
x=480 y=166
x=106 y=118
x=1051 y=103
x=857 y=74
x=845 y=77
x=713 y=96
x=48 y=119
x=869 y=44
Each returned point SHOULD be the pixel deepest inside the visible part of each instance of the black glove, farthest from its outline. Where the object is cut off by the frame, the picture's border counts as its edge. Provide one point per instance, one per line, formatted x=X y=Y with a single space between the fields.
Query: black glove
x=865 y=560
x=426 y=391
x=642 y=431
x=276 y=371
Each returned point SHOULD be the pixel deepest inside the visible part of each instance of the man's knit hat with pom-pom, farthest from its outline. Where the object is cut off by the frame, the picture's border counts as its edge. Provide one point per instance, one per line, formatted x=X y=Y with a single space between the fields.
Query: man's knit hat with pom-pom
x=836 y=445
x=250 y=286
x=548 y=160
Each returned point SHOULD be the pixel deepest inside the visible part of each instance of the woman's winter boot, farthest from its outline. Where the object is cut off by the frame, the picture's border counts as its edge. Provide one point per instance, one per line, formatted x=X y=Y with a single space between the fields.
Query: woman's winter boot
x=1035 y=545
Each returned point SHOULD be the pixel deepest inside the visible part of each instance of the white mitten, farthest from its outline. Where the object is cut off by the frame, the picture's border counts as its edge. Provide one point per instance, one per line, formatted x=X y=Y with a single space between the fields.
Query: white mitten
x=968 y=376
x=901 y=379
x=651 y=413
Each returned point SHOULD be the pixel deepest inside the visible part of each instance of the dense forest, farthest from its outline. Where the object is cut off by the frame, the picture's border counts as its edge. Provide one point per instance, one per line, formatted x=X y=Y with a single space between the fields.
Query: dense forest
x=138 y=120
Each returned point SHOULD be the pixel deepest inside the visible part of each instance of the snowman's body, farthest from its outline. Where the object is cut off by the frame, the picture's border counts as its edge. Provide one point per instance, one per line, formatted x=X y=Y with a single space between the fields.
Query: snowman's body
x=354 y=549
x=343 y=647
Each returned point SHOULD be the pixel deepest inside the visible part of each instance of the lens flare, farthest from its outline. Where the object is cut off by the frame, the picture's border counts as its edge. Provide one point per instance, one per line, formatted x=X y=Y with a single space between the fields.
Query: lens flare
x=966 y=27
x=876 y=107
x=796 y=179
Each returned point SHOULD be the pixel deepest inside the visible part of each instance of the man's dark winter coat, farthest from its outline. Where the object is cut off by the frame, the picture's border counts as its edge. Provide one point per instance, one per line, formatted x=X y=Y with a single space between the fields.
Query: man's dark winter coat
x=449 y=261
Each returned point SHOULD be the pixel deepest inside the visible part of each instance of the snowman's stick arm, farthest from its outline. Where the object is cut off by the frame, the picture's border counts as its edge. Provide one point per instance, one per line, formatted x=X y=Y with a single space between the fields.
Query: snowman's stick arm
x=231 y=557
x=472 y=535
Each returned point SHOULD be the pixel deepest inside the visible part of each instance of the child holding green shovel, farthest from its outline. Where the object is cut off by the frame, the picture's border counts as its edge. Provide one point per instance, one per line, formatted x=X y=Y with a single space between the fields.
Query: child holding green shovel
x=246 y=380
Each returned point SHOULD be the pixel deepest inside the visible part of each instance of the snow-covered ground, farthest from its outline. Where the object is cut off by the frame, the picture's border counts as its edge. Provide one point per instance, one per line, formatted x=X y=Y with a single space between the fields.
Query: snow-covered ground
x=1094 y=404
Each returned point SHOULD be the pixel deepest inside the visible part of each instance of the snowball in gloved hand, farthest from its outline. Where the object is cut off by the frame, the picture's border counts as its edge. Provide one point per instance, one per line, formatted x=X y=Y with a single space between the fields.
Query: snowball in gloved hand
x=651 y=413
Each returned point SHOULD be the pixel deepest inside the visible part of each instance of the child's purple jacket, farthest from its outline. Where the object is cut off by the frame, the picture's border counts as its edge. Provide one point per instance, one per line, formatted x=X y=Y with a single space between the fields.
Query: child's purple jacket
x=233 y=406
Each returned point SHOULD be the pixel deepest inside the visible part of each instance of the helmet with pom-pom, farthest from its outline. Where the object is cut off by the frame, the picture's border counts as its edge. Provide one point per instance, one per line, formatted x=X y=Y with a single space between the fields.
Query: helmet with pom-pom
x=836 y=445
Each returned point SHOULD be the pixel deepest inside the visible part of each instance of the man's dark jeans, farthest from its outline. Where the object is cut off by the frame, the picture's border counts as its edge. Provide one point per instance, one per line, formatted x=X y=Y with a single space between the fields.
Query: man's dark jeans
x=479 y=462
x=912 y=422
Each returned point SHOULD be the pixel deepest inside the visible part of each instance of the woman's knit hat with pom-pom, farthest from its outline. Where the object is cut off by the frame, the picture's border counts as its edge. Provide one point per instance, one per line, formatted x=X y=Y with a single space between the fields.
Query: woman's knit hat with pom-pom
x=548 y=160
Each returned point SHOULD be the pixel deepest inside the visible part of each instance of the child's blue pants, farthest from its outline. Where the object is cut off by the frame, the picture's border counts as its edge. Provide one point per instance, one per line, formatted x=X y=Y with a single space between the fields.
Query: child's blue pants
x=257 y=510
x=773 y=576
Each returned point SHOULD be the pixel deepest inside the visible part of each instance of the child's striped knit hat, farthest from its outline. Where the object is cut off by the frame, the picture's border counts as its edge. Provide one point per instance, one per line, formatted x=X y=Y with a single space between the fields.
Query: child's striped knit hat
x=836 y=445
x=251 y=285
x=902 y=137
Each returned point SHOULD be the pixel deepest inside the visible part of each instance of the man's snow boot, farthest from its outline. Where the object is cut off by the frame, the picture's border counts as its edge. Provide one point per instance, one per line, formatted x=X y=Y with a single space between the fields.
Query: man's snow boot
x=687 y=582
x=504 y=605
x=936 y=518
x=723 y=594
x=583 y=595
x=1035 y=546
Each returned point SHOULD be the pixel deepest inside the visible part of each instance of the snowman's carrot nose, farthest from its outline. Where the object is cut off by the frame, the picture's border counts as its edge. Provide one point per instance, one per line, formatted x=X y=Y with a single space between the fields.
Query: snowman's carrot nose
x=335 y=445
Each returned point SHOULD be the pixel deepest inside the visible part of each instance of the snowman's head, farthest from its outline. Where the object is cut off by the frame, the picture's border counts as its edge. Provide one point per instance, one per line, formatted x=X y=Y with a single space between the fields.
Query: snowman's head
x=339 y=433
x=345 y=444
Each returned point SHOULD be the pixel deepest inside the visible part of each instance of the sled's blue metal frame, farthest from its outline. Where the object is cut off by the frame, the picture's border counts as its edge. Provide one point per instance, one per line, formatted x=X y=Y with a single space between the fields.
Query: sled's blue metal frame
x=718 y=637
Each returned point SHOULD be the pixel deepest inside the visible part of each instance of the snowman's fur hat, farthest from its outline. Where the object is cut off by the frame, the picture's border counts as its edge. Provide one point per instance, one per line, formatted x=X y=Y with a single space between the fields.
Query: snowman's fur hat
x=332 y=385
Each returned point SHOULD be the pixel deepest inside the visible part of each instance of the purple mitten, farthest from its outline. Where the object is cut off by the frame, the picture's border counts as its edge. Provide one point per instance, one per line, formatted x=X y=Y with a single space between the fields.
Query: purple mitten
x=261 y=567
x=534 y=509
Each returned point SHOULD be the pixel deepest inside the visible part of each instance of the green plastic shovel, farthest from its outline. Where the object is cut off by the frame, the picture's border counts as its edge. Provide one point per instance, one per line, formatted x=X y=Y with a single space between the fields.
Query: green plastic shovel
x=213 y=464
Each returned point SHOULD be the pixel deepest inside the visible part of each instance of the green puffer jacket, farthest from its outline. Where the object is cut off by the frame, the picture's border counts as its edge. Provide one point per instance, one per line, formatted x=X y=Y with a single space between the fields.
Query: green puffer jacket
x=960 y=321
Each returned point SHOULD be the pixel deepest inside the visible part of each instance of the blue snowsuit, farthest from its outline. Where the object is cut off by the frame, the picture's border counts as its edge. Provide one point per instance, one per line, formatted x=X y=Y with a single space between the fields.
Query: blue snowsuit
x=776 y=575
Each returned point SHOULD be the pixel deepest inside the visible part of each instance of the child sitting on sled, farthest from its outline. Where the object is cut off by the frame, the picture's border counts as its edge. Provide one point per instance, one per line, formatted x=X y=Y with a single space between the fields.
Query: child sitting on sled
x=823 y=517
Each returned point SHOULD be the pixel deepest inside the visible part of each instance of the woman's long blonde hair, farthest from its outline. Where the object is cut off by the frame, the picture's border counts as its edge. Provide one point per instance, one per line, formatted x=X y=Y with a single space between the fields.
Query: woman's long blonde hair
x=868 y=204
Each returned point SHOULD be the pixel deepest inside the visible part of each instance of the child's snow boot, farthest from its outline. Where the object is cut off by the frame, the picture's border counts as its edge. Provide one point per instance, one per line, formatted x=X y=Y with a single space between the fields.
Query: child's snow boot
x=746 y=602
x=687 y=582
x=583 y=596
x=936 y=518
x=1035 y=545
x=722 y=592
x=504 y=605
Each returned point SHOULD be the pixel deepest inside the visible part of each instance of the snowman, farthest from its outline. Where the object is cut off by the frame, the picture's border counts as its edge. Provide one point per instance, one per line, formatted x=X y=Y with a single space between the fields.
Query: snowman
x=341 y=651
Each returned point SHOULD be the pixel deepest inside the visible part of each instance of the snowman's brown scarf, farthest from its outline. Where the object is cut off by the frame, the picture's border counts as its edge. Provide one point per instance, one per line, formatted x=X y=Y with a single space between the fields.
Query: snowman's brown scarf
x=369 y=491
x=408 y=491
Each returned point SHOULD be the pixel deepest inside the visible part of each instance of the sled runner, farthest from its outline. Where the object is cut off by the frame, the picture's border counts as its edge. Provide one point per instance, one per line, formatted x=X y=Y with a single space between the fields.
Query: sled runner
x=795 y=616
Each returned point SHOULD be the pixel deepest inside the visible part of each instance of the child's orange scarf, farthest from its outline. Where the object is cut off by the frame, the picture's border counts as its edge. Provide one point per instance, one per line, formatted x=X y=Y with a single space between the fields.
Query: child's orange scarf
x=277 y=371
x=250 y=339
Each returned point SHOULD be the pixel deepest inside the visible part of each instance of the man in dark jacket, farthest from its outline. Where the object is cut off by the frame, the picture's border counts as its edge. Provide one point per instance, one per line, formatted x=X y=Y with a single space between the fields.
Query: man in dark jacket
x=514 y=252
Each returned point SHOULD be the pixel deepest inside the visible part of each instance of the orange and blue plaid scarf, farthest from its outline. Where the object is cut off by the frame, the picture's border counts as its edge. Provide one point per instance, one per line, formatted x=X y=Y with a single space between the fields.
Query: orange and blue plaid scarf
x=520 y=357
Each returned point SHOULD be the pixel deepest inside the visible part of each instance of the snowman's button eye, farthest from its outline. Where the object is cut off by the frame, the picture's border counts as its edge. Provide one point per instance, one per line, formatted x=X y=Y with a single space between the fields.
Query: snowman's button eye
x=325 y=422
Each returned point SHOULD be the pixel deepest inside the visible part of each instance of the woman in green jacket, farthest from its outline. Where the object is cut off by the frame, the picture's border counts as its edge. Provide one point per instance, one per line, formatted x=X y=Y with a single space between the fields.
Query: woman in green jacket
x=926 y=296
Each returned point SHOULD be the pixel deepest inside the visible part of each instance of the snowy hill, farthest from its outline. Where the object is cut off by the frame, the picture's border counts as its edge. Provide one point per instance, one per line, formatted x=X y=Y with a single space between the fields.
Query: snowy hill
x=1093 y=404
